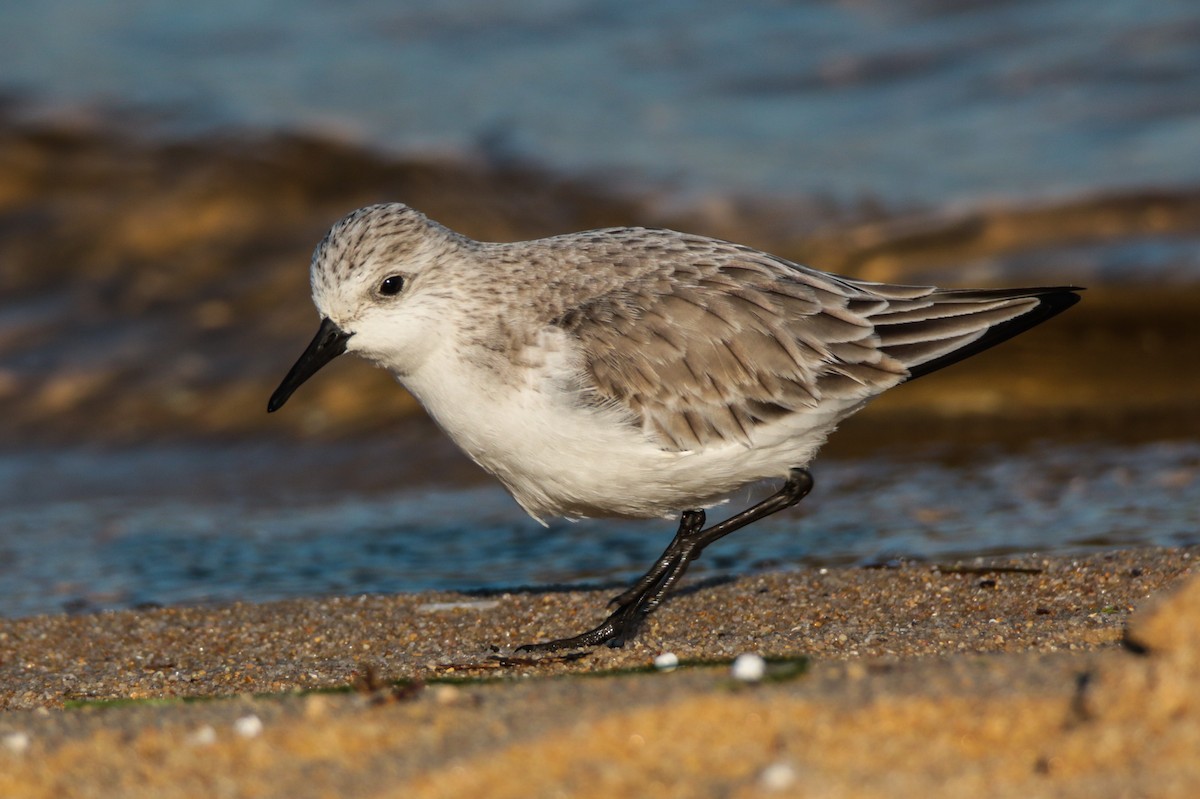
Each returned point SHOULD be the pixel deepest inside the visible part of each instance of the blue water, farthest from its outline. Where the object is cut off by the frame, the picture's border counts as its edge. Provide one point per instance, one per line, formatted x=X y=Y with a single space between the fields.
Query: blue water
x=81 y=531
x=905 y=101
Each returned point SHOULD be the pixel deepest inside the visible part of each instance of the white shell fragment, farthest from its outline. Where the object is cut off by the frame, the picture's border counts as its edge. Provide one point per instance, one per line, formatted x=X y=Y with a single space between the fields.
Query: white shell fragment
x=248 y=726
x=748 y=667
x=778 y=777
x=15 y=742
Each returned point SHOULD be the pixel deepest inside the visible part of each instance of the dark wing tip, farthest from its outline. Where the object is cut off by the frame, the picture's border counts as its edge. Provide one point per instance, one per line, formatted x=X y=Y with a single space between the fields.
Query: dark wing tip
x=1053 y=300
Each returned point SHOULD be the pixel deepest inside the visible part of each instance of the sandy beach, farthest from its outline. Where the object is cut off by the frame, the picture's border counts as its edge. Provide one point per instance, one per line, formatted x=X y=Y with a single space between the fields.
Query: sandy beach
x=1042 y=676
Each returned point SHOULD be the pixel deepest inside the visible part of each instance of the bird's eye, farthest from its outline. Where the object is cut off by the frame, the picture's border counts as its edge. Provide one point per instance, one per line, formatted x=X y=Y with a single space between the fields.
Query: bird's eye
x=391 y=285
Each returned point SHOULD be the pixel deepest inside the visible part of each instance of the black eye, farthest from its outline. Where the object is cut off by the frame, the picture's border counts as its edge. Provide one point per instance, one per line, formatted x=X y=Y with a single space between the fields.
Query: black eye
x=392 y=285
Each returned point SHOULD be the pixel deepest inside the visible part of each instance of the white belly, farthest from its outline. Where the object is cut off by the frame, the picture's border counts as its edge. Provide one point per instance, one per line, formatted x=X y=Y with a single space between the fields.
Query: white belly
x=559 y=458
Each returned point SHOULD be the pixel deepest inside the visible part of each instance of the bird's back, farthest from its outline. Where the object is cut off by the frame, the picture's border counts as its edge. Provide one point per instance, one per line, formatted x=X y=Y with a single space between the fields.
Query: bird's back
x=707 y=342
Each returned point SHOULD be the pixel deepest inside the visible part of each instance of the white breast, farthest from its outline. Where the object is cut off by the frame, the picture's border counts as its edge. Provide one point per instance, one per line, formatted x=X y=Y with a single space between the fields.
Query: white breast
x=560 y=457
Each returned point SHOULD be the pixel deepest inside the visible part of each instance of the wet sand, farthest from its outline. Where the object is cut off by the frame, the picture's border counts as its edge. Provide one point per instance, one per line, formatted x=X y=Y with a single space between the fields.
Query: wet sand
x=998 y=678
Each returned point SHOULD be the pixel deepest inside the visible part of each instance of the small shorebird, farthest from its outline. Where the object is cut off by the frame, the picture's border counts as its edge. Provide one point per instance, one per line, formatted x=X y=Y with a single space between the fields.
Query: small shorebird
x=634 y=372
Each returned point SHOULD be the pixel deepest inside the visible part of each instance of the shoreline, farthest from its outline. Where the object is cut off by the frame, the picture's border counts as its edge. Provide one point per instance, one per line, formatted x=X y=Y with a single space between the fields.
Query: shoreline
x=985 y=659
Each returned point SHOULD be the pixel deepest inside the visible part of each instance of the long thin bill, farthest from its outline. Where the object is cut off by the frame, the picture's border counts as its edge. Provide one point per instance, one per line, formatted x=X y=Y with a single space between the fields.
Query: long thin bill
x=329 y=343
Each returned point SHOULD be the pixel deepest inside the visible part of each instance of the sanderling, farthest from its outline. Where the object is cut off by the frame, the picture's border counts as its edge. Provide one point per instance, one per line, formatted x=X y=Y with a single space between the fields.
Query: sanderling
x=634 y=372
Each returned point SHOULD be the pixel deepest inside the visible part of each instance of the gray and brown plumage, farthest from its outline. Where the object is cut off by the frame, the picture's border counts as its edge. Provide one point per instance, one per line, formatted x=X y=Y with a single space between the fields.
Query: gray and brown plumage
x=630 y=371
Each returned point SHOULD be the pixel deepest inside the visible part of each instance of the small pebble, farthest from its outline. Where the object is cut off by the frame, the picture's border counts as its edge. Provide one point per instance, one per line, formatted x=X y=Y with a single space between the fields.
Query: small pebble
x=248 y=726
x=667 y=661
x=778 y=777
x=15 y=742
x=447 y=694
x=749 y=667
x=316 y=706
x=204 y=736
x=442 y=607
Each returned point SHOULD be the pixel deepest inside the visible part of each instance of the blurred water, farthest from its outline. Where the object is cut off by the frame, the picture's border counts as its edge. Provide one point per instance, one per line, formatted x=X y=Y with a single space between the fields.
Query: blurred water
x=83 y=531
x=926 y=101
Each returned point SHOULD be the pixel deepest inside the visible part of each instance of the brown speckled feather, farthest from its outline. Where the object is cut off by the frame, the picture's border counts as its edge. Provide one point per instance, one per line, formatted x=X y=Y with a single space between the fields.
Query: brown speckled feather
x=714 y=340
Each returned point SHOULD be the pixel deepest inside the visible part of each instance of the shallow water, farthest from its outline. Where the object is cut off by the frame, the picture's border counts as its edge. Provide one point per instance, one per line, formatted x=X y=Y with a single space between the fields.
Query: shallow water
x=81 y=531
x=904 y=100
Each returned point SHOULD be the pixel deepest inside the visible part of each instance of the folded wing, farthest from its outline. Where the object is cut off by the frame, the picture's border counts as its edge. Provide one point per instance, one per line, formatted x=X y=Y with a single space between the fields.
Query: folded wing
x=717 y=340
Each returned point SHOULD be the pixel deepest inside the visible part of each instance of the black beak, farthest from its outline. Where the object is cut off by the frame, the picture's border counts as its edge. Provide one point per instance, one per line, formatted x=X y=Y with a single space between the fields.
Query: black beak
x=329 y=343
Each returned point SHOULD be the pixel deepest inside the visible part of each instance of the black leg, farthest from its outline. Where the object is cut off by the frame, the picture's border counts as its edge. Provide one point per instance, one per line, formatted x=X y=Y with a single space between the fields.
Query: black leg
x=690 y=523
x=689 y=541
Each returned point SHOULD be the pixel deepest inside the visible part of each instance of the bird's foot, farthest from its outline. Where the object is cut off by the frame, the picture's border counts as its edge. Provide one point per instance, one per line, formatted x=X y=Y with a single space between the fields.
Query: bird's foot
x=619 y=626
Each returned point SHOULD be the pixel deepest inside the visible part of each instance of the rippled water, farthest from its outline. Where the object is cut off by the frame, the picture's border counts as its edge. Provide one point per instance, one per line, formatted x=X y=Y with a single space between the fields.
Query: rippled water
x=185 y=525
x=907 y=100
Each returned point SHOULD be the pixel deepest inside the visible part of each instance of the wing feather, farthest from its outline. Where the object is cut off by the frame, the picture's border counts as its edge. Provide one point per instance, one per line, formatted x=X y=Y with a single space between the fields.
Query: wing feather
x=705 y=342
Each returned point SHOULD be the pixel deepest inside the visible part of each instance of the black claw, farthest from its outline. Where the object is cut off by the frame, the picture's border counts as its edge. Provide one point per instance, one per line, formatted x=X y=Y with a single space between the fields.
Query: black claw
x=606 y=633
